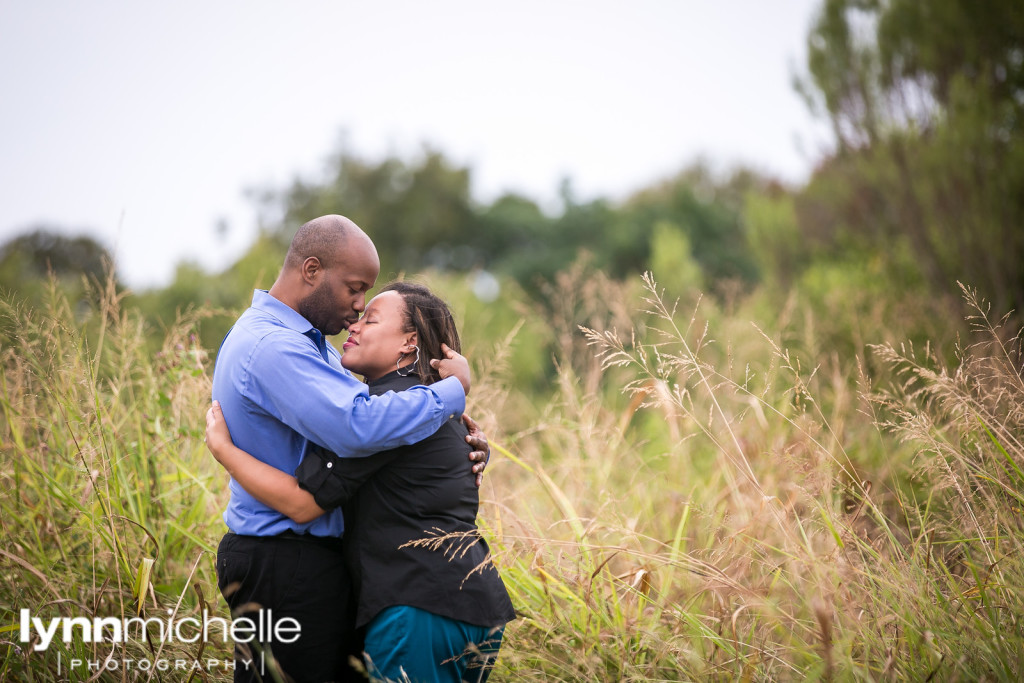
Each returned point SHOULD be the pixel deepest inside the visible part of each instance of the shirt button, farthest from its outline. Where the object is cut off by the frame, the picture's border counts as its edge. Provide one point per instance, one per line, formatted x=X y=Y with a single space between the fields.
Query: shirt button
x=452 y=416
x=330 y=465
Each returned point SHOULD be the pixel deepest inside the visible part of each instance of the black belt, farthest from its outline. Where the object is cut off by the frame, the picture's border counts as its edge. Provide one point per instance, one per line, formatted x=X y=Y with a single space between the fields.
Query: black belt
x=333 y=542
x=310 y=538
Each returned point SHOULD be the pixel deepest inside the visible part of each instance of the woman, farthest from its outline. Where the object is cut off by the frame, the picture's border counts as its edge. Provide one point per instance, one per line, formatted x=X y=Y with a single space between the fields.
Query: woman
x=432 y=604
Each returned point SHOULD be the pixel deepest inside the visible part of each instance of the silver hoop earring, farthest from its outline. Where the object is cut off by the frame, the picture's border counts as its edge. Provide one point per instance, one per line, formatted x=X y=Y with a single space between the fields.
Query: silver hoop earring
x=412 y=367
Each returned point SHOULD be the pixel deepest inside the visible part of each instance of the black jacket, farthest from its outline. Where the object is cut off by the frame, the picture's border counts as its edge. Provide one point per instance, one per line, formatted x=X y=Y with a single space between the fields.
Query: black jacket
x=424 y=494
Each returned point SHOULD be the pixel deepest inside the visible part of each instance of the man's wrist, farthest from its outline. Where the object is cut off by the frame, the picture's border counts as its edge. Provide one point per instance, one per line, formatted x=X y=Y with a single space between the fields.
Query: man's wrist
x=452 y=395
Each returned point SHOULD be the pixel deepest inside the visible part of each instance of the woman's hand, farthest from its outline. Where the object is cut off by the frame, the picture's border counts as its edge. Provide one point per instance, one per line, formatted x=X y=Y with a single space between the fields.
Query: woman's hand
x=453 y=365
x=218 y=438
x=481 y=454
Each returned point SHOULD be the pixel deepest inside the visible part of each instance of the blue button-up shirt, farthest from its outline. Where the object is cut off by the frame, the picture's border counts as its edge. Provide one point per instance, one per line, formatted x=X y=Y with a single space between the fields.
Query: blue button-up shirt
x=282 y=386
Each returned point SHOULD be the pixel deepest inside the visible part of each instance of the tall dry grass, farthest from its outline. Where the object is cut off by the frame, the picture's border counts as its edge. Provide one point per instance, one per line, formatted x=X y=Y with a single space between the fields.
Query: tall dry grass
x=110 y=507
x=745 y=516
x=694 y=497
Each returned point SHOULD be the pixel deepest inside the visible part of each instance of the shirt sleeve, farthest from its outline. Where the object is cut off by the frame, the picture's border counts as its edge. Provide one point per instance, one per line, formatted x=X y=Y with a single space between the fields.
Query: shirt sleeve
x=333 y=481
x=289 y=378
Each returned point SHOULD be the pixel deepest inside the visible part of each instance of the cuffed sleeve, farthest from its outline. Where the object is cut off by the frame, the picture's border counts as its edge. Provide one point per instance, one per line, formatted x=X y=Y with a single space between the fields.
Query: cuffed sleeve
x=452 y=395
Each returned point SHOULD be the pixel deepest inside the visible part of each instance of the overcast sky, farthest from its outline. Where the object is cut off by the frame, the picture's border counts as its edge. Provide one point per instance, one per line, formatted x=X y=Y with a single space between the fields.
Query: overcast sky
x=144 y=123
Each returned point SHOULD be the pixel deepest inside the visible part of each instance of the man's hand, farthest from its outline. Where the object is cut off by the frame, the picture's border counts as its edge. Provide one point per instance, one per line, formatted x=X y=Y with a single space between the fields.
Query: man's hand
x=481 y=449
x=453 y=365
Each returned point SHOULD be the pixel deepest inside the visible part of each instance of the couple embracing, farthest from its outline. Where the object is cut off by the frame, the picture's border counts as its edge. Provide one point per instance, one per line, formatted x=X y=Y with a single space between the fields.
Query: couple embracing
x=353 y=504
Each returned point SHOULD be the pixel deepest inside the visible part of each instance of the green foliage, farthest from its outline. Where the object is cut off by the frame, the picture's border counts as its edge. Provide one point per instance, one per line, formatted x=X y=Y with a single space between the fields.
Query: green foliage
x=711 y=220
x=516 y=233
x=937 y=43
x=103 y=472
x=671 y=254
x=926 y=102
x=774 y=237
x=28 y=260
x=41 y=251
x=222 y=296
x=421 y=216
x=418 y=212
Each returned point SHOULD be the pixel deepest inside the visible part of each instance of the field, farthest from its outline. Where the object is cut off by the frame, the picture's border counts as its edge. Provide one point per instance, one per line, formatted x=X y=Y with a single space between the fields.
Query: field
x=681 y=487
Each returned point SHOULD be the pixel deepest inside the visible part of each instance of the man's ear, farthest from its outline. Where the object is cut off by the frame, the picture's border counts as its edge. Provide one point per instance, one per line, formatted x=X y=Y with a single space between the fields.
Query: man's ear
x=311 y=270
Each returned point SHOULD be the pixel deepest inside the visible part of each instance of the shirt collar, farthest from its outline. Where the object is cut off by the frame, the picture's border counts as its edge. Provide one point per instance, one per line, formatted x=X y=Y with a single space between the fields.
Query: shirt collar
x=396 y=381
x=289 y=317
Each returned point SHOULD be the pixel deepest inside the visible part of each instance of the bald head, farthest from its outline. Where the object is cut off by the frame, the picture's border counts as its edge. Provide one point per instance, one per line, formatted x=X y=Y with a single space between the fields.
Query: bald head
x=324 y=238
x=330 y=266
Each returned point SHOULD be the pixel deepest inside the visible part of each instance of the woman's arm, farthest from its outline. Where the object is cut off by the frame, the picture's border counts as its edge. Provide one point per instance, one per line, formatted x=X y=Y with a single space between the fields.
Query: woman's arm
x=265 y=483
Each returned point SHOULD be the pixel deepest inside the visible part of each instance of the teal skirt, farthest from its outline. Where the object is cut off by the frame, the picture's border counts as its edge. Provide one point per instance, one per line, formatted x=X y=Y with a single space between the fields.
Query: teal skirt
x=409 y=644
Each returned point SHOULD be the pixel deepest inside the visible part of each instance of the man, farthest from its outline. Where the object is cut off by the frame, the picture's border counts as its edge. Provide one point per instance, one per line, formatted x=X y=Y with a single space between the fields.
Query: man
x=282 y=387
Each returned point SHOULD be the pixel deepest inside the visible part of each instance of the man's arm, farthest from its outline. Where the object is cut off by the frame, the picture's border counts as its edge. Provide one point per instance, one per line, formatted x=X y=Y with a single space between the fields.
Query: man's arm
x=329 y=407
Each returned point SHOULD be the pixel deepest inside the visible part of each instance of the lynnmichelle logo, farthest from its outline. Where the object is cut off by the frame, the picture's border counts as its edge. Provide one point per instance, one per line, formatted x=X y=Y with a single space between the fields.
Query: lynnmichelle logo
x=263 y=629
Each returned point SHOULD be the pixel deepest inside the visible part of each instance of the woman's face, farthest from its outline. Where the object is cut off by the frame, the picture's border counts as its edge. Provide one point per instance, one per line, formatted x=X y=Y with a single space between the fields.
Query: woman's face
x=376 y=341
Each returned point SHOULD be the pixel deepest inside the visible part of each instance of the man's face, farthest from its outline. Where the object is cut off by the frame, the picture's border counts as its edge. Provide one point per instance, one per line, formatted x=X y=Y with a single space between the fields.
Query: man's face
x=340 y=295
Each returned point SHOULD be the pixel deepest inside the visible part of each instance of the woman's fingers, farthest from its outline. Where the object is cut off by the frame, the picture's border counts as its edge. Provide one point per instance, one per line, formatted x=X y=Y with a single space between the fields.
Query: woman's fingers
x=481 y=454
x=216 y=428
x=213 y=414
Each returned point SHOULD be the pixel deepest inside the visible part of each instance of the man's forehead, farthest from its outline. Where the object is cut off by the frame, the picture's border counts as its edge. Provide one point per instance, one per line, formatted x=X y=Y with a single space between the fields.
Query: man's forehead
x=359 y=266
x=360 y=249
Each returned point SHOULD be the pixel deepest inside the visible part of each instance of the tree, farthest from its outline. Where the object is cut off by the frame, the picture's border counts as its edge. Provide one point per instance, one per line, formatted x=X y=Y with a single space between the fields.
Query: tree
x=707 y=210
x=926 y=100
x=419 y=213
x=27 y=260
